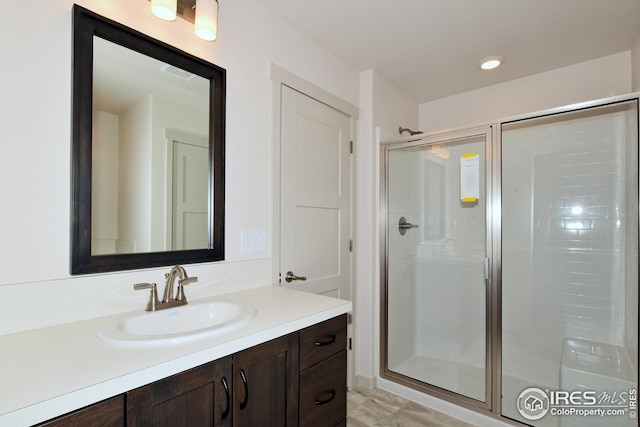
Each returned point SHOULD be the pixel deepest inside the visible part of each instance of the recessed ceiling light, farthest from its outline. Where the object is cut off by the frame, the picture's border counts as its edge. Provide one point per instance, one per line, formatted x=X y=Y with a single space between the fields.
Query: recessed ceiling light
x=491 y=62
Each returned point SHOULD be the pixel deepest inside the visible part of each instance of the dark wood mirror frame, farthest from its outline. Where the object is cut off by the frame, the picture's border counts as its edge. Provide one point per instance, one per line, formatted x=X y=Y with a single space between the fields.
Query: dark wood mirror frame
x=86 y=25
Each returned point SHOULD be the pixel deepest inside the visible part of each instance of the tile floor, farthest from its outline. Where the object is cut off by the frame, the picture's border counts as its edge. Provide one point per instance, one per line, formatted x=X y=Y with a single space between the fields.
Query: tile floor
x=378 y=408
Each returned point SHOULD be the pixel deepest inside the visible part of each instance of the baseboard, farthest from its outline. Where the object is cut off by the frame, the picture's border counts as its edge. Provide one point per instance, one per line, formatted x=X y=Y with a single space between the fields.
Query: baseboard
x=365 y=382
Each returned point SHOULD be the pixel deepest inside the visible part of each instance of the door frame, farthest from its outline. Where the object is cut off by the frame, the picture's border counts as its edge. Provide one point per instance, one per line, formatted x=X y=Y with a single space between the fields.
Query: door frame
x=281 y=77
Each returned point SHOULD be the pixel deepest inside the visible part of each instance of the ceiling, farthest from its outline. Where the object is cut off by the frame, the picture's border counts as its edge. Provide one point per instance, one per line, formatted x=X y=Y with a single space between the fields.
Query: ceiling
x=122 y=77
x=430 y=48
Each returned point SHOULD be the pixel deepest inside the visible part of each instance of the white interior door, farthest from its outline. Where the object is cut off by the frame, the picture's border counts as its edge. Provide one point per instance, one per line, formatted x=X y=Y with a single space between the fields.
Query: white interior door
x=315 y=216
x=190 y=196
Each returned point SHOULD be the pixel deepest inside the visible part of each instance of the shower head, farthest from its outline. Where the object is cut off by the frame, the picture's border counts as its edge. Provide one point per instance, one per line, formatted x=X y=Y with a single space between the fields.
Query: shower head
x=411 y=132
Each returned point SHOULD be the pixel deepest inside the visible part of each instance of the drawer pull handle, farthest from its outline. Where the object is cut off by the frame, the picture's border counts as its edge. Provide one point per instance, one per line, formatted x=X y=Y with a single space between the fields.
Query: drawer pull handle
x=225 y=414
x=329 y=339
x=243 y=404
x=331 y=393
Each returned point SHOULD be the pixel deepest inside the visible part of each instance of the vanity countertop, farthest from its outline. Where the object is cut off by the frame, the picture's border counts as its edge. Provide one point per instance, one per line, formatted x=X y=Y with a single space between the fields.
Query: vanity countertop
x=48 y=372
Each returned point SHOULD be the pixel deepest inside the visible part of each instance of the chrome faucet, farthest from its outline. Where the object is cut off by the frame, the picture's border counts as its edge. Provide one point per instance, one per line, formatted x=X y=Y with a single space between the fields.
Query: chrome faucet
x=183 y=279
x=168 y=298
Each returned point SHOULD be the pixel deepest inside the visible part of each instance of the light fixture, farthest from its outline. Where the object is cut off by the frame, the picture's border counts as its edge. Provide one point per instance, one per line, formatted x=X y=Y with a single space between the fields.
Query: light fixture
x=491 y=62
x=207 y=19
x=202 y=13
x=164 y=9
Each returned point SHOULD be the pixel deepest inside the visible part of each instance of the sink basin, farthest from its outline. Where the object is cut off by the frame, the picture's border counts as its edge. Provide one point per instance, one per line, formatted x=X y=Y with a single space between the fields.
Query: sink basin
x=176 y=325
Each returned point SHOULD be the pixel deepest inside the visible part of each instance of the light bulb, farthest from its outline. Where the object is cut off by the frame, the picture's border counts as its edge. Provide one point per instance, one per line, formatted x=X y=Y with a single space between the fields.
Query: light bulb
x=164 y=9
x=206 y=25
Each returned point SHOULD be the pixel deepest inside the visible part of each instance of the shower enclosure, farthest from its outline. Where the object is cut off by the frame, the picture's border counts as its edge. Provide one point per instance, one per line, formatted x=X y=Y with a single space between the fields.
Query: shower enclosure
x=510 y=265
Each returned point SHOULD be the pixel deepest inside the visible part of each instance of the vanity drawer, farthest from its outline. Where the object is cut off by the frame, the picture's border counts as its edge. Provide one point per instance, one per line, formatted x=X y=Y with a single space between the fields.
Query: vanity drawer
x=320 y=341
x=323 y=392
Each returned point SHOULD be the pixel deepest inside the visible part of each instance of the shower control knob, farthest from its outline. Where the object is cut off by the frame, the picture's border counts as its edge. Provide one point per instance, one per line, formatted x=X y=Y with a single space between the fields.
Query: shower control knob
x=289 y=277
x=403 y=226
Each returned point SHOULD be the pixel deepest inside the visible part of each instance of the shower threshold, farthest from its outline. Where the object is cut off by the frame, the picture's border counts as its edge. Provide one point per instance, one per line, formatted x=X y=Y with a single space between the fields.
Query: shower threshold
x=454 y=376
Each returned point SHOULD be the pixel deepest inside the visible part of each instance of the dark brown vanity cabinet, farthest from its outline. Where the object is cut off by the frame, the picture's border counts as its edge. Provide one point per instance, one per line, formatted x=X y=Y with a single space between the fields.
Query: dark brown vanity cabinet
x=254 y=387
x=323 y=374
x=296 y=380
x=199 y=397
x=108 y=413
x=299 y=379
x=265 y=381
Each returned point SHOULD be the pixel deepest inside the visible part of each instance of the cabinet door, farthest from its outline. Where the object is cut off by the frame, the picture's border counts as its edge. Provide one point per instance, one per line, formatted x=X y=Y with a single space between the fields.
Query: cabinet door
x=199 y=397
x=323 y=392
x=265 y=381
x=109 y=413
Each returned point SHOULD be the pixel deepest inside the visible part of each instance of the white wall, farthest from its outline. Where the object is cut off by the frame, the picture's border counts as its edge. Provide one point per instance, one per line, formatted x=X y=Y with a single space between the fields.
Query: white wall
x=635 y=65
x=382 y=106
x=587 y=81
x=392 y=107
x=134 y=175
x=35 y=152
x=104 y=207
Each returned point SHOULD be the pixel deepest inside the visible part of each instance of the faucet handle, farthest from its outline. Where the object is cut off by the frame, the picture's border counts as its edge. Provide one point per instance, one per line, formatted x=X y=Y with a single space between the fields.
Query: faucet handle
x=138 y=286
x=181 y=283
x=153 y=295
x=187 y=280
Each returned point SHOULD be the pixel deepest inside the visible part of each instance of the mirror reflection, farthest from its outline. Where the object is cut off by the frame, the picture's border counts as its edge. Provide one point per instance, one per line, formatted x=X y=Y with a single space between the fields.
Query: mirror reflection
x=147 y=151
x=150 y=154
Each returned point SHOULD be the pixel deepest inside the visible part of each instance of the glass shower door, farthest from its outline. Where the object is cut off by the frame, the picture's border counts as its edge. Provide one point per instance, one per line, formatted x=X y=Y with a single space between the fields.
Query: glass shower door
x=570 y=267
x=436 y=265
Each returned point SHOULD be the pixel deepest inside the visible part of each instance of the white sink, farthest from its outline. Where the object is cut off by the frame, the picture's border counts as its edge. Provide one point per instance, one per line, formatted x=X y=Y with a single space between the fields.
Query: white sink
x=177 y=325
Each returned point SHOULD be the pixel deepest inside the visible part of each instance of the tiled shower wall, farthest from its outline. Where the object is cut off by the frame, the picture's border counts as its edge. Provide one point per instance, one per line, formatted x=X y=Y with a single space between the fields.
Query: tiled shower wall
x=568 y=235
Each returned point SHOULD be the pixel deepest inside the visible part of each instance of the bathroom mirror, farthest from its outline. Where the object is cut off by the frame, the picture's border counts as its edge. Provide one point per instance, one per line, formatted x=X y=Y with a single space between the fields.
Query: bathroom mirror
x=147 y=151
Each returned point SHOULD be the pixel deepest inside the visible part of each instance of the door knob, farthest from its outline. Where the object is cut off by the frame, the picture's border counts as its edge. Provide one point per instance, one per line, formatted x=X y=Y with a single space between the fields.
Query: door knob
x=289 y=277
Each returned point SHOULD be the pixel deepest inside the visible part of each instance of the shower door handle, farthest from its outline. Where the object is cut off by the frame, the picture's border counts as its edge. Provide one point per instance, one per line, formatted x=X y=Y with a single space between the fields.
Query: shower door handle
x=289 y=277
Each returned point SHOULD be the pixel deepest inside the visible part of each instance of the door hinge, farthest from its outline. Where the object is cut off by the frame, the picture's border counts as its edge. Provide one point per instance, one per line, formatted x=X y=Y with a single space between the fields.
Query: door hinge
x=351 y=147
x=350 y=346
x=350 y=245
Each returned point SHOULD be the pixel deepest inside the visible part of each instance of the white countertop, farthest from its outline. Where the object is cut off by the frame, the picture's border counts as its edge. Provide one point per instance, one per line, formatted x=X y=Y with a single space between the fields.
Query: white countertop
x=48 y=372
